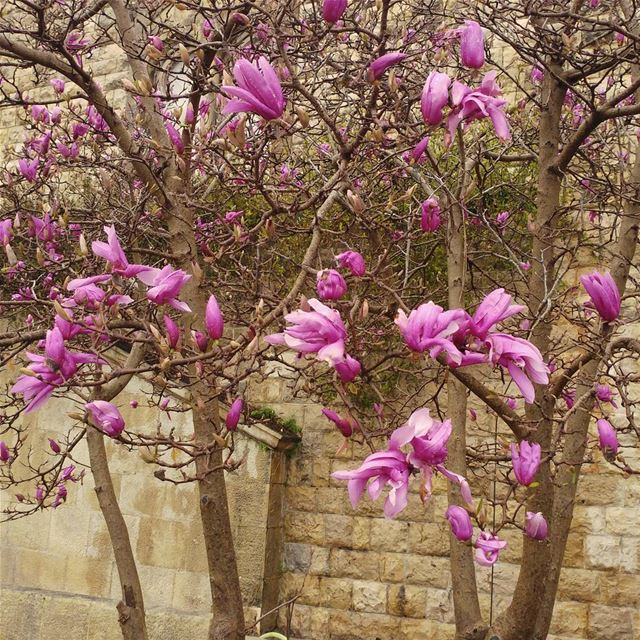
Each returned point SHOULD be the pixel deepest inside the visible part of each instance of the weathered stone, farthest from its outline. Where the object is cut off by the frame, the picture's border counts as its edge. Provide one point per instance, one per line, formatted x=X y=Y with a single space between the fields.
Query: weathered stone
x=297 y=557
x=389 y=535
x=610 y=623
x=569 y=618
x=301 y=498
x=428 y=571
x=580 y=585
x=369 y=596
x=439 y=605
x=429 y=539
x=407 y=601
x=338 y=530
x=392 y=567
x=305 y=527
x=602 y=552
x=335 y=593
x=354 y=564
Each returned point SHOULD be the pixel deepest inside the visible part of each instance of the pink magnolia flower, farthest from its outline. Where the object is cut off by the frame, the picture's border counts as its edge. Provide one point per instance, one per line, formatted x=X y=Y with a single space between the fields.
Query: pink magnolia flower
x=430 y=328
x=172 y=330
x=460 y=522
x=42 y=228
x=29 y=169
x=427 y=436
x=488 y=547
x=608 y=439
x=4 y=452
x=233 y=416
x=419 y=149
x=213 y=320
x=330 y=285
x=332 y=10
x=502 y=218
x=201 y=340
x=175 y=137
x=604 y=294
x=55 y=447
x=86 y=292
x=76 y=41
x=435 y=97
x=166 y=284
x=347 y=367
x=353 y=261
x=346 y=426
x=156 y=41
x=319 y=331
x=471 y=44
x=483 y=102
x=525 y=459
x=40 y=113
x=381 y=64
x=537 y=75
x=536 y=526
x=604 y=393
x=495 y=308
x=49 y=370
x=381 y=468
x=106 y=417
x=58 y=85
x=522 y=359
x=112 y=252
x=258 y=90
x=6 y=231
x=431 y=211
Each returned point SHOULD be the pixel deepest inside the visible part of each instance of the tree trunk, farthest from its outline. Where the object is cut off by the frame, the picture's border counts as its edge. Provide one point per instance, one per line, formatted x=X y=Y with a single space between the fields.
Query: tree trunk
x=469 y=623
x=519 y=620
x=131 y=607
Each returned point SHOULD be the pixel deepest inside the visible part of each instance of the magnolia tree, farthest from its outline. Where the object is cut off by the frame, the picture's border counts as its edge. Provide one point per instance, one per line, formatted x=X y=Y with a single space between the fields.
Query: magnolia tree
x=401 y=193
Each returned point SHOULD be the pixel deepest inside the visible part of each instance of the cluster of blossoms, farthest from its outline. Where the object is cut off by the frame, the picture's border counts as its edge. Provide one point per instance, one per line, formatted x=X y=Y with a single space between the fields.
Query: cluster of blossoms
x=427 y=438
x=466 y=340
x=82 y=313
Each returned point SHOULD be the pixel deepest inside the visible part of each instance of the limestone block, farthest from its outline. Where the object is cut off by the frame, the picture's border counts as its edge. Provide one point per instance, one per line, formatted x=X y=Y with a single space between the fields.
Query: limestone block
x=333 y=500
x=347 y=625
x=389 y=535
x=22 y=613
x=600 y=490
x=440 y=605
x=630 y=552
x=369 y=596
x=319 y=561
x=102 y=622
x=335 y=593
x=297 y=557
x=602 y=552
x=407 y=601
x=361 y=535
x=570 y=618
x=338 y=530
x=64 y=617
x=619 y=588
x=39 y=570
x=392 y=567
x=610 y=623
x=191 y=591
x=623 y=521
x=87 y=577
x=429 y=571
x=161 y=543
x=581 y=585
x=426 y=630
x=301 y=498
x=304 y=527
x=363 y=565
x=429 y=539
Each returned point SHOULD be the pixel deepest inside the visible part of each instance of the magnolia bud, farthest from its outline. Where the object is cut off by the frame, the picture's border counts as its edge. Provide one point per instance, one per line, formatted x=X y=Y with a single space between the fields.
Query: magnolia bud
x=303 y=117
x=39 y=257
x=129 y=86
x=184 y=54
x=355 y=201
x=11 y=256
x=84 y=250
